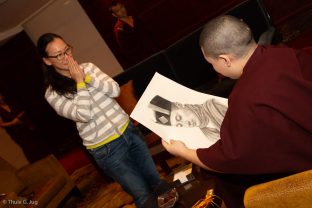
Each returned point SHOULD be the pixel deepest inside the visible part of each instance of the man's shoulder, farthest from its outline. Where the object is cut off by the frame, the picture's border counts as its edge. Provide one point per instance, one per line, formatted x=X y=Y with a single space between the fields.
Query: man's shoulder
x=278 y=50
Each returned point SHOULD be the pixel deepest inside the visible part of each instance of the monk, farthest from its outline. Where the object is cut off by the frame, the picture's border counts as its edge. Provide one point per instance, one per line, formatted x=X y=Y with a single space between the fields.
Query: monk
x=267 y=128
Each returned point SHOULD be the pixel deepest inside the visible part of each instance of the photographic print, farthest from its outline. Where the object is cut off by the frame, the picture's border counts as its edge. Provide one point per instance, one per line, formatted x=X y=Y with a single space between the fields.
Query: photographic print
x=174 y=111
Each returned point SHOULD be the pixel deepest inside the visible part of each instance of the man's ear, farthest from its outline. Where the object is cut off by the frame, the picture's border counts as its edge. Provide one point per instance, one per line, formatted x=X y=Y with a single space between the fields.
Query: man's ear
x=47 y=61
x=225 y=59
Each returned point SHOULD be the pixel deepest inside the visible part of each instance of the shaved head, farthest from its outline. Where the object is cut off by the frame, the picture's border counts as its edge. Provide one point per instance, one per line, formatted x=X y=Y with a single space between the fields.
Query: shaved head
x=226 y=35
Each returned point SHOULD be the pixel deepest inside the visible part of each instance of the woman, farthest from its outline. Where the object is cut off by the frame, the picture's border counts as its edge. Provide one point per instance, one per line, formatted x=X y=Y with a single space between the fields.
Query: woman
x=207 y=116
x=84 y=94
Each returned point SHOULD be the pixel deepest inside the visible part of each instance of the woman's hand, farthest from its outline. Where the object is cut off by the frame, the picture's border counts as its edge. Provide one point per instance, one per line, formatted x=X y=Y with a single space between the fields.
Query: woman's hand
x=75 y=71
x=175 y=147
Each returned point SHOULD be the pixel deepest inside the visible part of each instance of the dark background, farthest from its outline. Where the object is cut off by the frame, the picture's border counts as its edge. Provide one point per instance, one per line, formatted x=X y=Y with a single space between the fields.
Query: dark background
x=21 y=79
x=170 y=20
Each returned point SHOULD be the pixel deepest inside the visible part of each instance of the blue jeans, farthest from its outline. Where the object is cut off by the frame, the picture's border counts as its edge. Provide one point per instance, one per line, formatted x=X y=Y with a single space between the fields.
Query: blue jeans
x=128 y=161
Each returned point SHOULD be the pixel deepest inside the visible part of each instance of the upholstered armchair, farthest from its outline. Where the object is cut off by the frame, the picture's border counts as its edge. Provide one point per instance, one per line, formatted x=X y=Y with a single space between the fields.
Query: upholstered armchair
x=44 y=183
x=288 y=192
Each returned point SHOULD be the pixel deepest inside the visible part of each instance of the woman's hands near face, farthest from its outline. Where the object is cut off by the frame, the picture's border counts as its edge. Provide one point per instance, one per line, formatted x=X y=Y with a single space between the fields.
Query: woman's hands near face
x=75 y=71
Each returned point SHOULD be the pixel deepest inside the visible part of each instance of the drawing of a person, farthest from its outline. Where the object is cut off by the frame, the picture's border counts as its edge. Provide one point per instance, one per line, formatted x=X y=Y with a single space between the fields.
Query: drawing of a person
x=207 y=116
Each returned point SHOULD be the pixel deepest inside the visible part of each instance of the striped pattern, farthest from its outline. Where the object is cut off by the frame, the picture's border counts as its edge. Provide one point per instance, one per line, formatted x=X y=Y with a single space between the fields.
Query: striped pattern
x=94 y=109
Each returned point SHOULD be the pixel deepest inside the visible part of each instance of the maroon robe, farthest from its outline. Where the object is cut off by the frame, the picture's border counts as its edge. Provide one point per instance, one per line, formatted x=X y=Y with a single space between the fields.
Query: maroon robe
x=268 y=126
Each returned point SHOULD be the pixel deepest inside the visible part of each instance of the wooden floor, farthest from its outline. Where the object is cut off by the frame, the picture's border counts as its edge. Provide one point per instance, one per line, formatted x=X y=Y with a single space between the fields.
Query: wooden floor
x=99 y=192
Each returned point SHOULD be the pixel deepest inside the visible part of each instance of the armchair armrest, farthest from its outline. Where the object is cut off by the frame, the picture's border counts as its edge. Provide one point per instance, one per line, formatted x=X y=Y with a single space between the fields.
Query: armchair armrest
x=47 y=182
x=42 y=170
x=291 y=191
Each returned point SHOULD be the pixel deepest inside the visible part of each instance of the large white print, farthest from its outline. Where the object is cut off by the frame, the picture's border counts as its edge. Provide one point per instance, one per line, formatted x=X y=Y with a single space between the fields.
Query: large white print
x=176 y=112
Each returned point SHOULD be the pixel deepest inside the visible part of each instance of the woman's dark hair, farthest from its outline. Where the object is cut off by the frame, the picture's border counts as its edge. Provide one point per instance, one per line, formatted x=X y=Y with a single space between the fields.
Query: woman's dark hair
x=59 y=83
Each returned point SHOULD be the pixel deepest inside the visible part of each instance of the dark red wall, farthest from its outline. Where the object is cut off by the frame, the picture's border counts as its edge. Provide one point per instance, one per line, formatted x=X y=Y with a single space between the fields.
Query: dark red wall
x=170 y=20
x=283 y=10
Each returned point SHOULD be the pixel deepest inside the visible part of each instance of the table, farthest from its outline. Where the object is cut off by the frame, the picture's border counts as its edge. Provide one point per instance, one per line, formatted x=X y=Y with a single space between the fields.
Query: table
x=189 y=192
x=229 y=187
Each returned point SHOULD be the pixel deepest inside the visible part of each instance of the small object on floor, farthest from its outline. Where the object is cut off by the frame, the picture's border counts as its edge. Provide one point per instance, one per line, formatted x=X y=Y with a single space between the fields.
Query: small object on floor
x=183 y=174
x=208 y=200
x=168 y=199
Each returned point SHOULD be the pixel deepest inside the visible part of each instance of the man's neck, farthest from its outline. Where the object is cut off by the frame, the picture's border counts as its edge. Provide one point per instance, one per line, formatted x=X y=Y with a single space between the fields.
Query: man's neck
x=248 y=55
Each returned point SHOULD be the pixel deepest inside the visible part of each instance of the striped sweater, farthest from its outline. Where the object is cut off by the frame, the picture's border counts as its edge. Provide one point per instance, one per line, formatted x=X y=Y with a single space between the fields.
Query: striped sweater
x=96 y=113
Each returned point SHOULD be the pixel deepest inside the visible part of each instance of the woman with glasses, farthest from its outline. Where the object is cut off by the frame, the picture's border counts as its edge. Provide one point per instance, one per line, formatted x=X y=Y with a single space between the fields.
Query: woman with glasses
x=84 y=94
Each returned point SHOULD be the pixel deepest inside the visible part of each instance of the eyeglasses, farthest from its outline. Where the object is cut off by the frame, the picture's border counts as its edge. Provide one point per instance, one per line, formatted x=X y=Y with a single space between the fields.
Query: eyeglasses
x=61 y=56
